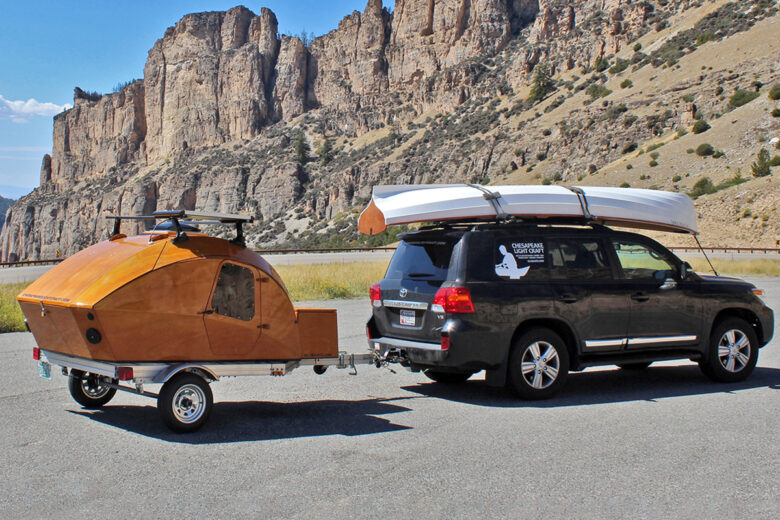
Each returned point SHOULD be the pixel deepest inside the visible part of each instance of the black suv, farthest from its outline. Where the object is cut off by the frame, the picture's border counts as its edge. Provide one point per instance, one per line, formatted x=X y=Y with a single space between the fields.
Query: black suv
x=529 y=303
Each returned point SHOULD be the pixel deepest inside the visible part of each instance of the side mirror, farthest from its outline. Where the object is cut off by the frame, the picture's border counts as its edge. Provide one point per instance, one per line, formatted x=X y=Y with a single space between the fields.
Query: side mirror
x=685 y=270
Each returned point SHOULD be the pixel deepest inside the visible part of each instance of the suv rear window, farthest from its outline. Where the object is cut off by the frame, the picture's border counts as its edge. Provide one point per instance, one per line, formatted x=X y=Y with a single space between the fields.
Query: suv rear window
x=427 y=260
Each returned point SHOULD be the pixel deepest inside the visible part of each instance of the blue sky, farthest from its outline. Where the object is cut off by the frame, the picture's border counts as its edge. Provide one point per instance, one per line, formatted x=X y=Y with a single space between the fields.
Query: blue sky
x=47 y=47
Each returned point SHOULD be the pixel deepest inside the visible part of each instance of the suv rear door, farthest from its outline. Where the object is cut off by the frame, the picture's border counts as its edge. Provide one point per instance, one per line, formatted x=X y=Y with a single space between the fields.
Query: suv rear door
x=417 y=270
x=587 y=295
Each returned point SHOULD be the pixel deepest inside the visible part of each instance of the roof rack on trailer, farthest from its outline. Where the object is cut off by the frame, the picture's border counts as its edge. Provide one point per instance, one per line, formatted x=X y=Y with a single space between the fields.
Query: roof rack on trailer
x=178 y=216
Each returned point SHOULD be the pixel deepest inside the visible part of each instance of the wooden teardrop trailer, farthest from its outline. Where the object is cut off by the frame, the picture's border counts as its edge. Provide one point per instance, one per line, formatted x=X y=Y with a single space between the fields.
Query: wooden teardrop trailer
x=177 y=307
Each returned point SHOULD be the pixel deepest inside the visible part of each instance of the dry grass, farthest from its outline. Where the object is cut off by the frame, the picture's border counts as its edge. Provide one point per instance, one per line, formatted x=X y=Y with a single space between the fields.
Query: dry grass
x=331 y=281
x=11 y=317
x=759 y=267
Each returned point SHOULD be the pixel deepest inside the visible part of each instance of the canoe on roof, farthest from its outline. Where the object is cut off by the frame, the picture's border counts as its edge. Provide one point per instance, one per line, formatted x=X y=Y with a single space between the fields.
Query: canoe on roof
x=623 y=207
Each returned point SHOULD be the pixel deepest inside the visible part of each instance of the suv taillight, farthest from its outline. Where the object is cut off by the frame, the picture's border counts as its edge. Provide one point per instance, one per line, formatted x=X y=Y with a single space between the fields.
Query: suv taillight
x=375 y=293
x=452 y=299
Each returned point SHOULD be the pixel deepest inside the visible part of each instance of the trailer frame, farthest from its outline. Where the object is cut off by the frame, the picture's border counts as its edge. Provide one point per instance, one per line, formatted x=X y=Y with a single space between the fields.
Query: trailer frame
x=185 y=400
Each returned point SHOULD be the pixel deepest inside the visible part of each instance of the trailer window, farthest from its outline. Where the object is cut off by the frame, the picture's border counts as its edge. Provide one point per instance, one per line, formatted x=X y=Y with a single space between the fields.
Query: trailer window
x=235 y=293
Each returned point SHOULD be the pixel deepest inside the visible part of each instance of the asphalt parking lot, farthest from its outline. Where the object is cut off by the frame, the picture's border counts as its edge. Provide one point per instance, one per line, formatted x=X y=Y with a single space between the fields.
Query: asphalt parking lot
x=662 y=443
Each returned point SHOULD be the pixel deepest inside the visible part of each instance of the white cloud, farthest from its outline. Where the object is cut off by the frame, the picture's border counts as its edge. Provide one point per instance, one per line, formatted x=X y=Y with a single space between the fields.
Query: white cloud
x=23 y=111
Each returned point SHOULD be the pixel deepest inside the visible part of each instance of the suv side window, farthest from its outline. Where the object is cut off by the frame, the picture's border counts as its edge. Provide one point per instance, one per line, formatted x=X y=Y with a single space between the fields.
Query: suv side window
x=641 y=261
x=578 y=258
x=234 y=295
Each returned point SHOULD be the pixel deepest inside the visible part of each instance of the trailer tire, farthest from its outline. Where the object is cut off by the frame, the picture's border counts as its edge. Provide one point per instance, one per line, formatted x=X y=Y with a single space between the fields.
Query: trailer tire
x=88 y=389
x=320 y=369
x=185 y=402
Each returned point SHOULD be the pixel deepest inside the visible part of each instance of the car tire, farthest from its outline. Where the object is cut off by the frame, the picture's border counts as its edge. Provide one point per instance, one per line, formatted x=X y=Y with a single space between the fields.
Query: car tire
x=538 y=364
x=448 y=378
x=635 y=366
x=185 y=402
x=732 y=353
x=89 y=390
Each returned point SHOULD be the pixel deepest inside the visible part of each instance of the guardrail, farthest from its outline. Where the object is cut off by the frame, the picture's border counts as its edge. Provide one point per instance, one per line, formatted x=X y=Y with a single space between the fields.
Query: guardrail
x=682 y=249
x=760 y=250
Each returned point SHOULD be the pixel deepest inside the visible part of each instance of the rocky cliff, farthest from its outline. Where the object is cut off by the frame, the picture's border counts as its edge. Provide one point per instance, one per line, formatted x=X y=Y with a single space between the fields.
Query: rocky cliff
x=432 y=91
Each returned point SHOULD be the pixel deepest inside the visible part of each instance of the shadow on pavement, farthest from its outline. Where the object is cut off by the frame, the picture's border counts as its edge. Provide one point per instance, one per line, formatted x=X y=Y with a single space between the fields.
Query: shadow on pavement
x=616 y=386
x=260 y=420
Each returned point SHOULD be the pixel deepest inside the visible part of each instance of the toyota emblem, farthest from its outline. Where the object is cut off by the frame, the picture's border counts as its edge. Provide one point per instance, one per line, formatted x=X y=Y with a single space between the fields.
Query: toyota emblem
x=403 y=292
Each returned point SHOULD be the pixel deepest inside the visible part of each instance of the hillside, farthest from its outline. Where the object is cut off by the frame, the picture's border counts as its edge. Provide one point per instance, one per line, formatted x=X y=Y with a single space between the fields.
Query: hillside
x=230 y=118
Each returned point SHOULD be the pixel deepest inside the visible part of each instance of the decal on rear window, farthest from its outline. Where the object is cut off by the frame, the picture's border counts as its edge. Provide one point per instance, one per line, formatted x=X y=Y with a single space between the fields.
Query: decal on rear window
x=517 y=258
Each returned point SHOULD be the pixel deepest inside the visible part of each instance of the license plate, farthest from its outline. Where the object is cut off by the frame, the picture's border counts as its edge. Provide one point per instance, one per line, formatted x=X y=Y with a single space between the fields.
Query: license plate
x=407 y=318
x=44 y=369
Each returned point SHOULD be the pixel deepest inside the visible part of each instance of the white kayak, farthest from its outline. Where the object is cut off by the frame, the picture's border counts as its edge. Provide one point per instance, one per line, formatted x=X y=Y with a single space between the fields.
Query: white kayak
x=622 y=207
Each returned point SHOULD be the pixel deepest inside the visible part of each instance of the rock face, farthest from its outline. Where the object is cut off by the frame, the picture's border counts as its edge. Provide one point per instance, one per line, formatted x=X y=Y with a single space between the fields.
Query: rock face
x=211 y=123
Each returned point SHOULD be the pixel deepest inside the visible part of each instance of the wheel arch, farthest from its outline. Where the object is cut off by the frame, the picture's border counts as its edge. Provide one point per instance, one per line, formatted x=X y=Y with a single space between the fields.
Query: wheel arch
x=198 y=370
x=737 y=312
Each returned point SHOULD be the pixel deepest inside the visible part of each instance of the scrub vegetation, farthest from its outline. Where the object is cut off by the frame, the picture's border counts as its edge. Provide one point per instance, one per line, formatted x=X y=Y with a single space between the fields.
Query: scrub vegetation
x=11 y=317
x=332 y=281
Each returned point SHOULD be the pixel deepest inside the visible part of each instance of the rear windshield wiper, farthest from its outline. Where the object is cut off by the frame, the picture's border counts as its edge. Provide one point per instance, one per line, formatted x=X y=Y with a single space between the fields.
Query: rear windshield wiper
x=419 y=275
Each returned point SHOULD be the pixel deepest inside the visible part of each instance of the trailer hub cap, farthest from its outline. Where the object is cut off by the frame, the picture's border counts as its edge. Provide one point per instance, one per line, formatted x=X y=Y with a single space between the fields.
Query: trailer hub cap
x=189 y=403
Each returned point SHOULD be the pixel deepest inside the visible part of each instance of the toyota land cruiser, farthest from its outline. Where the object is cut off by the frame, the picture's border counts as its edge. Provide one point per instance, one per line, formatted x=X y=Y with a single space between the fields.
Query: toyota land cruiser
x=529 y=303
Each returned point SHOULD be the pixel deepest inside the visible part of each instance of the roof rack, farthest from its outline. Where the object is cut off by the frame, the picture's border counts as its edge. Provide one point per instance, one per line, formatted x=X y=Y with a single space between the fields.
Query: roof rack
x=176 y=215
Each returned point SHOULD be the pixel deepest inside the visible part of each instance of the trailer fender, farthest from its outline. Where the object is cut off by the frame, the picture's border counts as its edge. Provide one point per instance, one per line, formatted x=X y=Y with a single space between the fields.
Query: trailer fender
x=193 y=368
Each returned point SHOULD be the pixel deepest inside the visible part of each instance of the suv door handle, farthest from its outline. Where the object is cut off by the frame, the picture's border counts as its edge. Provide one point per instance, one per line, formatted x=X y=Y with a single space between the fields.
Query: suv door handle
x=568 y=298
x=640 y=297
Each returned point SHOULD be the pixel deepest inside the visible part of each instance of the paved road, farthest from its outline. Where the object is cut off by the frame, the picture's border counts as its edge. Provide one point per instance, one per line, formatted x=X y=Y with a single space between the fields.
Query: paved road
x=657 y=444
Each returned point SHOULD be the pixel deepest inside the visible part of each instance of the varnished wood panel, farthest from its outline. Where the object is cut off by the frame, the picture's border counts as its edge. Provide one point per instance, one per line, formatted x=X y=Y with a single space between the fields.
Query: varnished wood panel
x=318 y=332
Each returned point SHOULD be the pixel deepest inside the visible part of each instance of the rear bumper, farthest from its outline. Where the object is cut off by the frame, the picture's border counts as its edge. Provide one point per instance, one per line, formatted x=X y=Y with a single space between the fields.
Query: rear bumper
x=415 y=351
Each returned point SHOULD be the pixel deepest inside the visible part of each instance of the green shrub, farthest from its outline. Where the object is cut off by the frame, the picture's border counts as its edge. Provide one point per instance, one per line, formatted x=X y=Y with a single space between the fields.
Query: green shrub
x=718 y=154
x=653 y=163
x=637 y=47
x=690 y=150
x=761 y=167
x=629 y=166
x=774 y=92
x=718 y=90
x=601 y=64
x=626 y=83
x=630 y=147
x=700 y=126
x=655 y=155
x=676 y=178
x=776 y=112
x=596 y=91
x=775 y=161
x=688 y=98
x=705 y=149
x=681 y=132
x=619 y=66
x=702 y=187
x=625 y=185
x=742 y=97
x=655 y=146
x=704 y=37
x=542 y=85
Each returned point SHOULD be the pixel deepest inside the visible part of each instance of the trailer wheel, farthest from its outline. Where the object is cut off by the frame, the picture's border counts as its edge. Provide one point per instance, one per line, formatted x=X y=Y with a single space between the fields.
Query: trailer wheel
x=320 y=369
x=89 y=390
x=185 y=402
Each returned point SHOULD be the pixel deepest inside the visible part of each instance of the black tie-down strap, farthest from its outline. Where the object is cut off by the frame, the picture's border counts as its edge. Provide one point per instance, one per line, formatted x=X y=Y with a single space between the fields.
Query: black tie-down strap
x=583 y=201
x=493 y=198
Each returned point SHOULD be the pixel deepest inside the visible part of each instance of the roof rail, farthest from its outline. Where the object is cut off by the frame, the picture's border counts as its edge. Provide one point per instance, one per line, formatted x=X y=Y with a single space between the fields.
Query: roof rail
x=175 y=215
